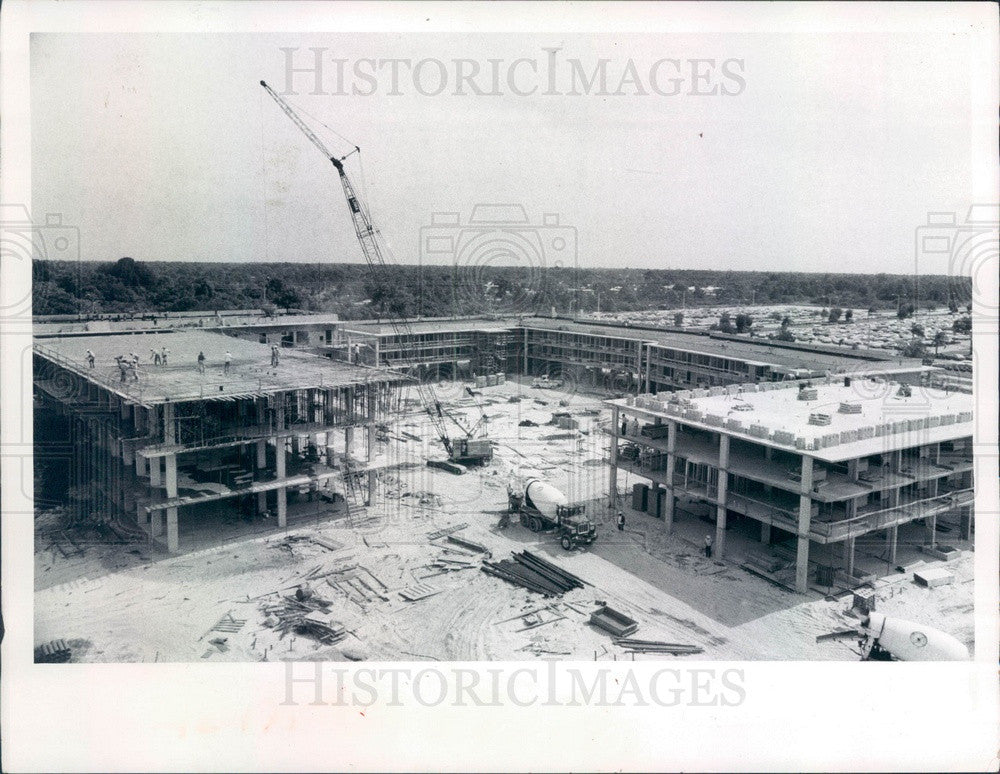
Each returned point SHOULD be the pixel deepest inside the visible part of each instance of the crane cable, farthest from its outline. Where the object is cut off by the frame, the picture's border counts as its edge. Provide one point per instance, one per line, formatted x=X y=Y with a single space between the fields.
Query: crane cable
x=263 y=175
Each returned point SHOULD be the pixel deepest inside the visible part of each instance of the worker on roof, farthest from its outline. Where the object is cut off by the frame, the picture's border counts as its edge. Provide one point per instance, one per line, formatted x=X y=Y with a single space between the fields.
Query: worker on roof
x=226 y=363
x=163 y=355
x=621 y=521
x=155 y=355
x=90 y=359
x=274 y=355
x=201 y=362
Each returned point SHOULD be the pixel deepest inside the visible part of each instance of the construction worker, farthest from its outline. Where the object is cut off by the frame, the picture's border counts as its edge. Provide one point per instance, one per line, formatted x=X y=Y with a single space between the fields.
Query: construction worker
x=155 y=356
x=274 y=355
x=90 y=359
x=120 y=361
x=163 y=355
x=226 y=363
x=201 y=362
x=621 y=521
x=708 y=546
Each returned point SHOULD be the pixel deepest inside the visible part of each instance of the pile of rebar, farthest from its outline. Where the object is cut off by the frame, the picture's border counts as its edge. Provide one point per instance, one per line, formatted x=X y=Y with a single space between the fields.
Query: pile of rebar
x=656 y=646
x=533 y=573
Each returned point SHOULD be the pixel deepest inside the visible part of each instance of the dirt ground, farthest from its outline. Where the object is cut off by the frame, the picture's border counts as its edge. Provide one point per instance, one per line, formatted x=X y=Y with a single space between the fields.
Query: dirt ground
x=134 y=603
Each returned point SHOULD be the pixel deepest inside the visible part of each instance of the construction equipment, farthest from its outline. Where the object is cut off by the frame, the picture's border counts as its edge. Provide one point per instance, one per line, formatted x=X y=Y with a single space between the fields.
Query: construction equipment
x=882 y=638
x=375 y=251
x=541 y=507
x=545 y=383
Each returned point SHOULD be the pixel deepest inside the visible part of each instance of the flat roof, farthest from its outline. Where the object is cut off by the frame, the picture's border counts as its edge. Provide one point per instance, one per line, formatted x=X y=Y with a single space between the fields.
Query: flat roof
x=785 y=418
x=430 y=326
x=757 y=352
x=250 y=372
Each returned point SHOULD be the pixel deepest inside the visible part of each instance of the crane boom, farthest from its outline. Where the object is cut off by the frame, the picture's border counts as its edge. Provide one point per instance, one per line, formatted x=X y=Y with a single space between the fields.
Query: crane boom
x=375 y=251
x=302 y=125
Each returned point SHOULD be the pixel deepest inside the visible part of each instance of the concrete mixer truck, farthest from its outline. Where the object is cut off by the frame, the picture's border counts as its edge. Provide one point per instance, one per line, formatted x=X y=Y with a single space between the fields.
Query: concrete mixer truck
x=542 y=507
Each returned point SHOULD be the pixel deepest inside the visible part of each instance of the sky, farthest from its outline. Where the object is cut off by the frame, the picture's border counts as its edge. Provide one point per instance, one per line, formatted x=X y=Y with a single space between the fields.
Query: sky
x=825 y=155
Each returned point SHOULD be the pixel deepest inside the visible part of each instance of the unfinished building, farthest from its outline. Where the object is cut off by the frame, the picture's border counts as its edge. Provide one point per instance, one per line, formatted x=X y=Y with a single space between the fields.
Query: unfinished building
x=815 y=464
x=208 y=428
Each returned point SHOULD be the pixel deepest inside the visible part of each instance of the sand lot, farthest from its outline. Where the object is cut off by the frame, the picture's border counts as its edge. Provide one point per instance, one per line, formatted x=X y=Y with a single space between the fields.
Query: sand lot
x=135 y=603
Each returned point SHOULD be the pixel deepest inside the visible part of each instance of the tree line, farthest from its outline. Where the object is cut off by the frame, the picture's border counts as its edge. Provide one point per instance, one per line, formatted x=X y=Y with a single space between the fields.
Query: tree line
x=349 y=289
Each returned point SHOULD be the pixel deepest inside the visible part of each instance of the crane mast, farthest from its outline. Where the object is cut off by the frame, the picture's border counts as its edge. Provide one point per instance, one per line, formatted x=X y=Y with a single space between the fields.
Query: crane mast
x=374 y=251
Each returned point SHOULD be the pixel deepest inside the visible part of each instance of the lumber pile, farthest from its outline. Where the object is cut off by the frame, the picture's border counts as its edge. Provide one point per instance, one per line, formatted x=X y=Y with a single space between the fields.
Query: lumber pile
x=657 y=646
x=303 y=613
x=446 y=564
x=357 y=583
x=463 y=543
x=446 y=531
x=533 y=573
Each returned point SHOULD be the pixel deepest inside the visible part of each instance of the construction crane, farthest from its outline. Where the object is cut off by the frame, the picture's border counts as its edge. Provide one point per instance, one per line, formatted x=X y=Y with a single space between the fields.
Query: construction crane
x=464 y=451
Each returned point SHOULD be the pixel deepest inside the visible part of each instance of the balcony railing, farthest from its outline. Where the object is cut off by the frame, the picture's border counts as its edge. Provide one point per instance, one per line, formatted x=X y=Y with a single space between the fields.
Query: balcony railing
x=891 y=517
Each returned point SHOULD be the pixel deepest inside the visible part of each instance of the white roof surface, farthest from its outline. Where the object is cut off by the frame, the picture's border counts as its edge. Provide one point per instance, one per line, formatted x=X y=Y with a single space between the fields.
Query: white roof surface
x=779 y=410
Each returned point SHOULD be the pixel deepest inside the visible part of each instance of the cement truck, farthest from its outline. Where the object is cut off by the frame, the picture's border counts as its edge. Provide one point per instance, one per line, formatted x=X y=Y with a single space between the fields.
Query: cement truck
x=542 y=507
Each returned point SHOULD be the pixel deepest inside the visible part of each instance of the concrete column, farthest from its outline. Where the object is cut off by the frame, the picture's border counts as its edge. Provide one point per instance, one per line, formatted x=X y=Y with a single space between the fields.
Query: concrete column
x=849 y=555
x=282 y=492
x=765 y=533
x=169 y=426
x=372 y=443
x=140 y=515
x=261 y=464
x=805 y=518
x=524 y=370
x=613 y=468
x=348 y=441
x=965 y=522
x=891 y=537
x=171 y=475
x=852 y=470
x=140 y=465
x=155 y=479
x=172 y=539
x=931 y=526
x=156 y=523
x=668 y=506
x=720 y=511
x=329 y=447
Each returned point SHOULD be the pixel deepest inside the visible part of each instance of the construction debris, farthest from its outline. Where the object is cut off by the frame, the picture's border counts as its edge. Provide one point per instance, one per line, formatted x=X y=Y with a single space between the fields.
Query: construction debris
x=478 y=547
x=446 y=531
x=417 y=592
x=655 y=646
x=229 y=624
x=306 y=614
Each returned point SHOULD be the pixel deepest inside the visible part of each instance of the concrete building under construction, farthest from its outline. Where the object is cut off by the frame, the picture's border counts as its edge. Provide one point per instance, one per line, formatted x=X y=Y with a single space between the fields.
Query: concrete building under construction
x=816 y=463
x=206 y=428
